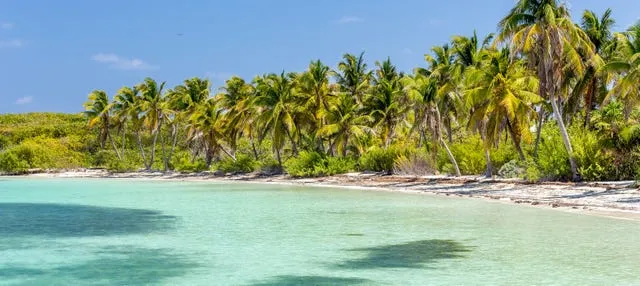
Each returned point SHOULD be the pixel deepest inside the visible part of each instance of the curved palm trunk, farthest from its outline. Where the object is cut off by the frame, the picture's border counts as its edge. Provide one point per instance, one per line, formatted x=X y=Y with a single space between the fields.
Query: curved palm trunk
x=174 y=133
x=444 y=144
x=565 y=139
x=588 y=103
x=451 y=157
x=253 y=145
x=515 y=141
x=124 y=139
x=164 y=153
x=113 y=144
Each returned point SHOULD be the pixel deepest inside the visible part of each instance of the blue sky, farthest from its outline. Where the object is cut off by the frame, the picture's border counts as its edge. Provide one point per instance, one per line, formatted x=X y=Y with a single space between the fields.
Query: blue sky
x=53 y=53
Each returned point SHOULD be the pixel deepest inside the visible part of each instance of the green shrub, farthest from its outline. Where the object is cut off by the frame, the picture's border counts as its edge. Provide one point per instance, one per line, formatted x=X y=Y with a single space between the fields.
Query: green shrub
x=303 y=165
x=242 y=164
x=122 y=166
x=553 y=160
x=12 y=164
x=532 y=172
x=269 y=166
x=182 y=163
x=379 y=160
x=334 y=165
x=469 y=154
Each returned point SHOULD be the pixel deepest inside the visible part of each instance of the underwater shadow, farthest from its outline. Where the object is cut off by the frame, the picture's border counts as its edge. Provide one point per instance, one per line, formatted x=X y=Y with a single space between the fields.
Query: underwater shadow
x=415 y=254
x=118 y=266
x=60 y=220
x=292 y=280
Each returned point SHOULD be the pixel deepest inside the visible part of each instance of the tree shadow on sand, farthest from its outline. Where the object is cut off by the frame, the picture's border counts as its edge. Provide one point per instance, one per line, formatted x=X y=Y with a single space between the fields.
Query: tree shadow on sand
x=416 y=254
x=61 y=220
x=292 y=280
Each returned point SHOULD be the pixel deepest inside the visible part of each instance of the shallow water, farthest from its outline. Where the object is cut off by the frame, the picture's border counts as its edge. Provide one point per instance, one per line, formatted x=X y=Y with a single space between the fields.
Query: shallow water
x=116 y=232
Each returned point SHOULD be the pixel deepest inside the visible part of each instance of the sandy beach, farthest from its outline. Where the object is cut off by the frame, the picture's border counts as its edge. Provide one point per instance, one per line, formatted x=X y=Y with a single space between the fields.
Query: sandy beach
x=612 y=199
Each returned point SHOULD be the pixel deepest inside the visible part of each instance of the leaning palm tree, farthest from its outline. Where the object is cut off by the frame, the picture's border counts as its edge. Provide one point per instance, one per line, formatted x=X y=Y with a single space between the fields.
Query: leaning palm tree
x=423 y=91
x=152 y=105
x=97 y=111
x=501 y=95
x=236 y=99
x=626 y=64
x=553 y=44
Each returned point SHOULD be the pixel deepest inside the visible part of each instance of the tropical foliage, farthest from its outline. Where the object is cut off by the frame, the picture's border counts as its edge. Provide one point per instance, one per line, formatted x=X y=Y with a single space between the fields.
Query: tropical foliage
x=543 y=98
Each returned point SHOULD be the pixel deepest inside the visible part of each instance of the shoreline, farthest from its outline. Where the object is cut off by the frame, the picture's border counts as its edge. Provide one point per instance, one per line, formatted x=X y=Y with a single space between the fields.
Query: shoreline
x=607 y=199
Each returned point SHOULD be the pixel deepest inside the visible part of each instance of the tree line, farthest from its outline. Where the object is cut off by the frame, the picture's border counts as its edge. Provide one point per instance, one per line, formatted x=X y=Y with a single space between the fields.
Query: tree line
x=539 y=69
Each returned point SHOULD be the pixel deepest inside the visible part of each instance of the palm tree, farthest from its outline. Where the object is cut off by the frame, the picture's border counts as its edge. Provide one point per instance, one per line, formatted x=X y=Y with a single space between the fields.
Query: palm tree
x=276 y=94
x=207 y=124
x=353 y=76
x=592 y=86
x=345 y=124
x=183 y=101
x=626 y=63
x=553 y=44
x=447 y=75
x=501 y=94
x=423 y=91
x=97 y=110
x=236 y=99
x=313 y=86
x=387 y=103
x=125 y=110
x=153 y=106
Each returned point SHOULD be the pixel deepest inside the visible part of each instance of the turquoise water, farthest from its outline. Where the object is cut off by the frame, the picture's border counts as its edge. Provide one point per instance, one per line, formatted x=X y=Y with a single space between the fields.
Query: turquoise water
x=116 y=232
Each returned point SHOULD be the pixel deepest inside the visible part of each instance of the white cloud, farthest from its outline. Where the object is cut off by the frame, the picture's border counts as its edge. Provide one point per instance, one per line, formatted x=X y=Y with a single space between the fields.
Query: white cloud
x=6 y=26
x=24 y=100
x=349 y=20
x=15 y=43
x=122 y=63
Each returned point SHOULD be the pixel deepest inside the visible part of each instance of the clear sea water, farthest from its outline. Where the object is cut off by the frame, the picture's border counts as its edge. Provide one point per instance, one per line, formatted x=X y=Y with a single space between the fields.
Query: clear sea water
x=127 y=232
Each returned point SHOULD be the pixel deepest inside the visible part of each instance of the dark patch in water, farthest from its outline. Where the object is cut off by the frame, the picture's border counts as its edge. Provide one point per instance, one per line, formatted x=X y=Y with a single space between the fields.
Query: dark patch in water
x=416 y=254
x=119 y=266
x=291 y=280
x=60 y=220
x=354 y=234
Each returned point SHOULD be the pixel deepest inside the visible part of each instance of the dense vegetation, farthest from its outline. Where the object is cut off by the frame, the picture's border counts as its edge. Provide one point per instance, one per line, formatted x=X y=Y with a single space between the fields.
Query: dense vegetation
x=543 y=98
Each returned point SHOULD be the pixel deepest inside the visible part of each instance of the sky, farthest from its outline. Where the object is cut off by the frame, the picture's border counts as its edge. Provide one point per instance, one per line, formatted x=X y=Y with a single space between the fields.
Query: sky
x=54 y=53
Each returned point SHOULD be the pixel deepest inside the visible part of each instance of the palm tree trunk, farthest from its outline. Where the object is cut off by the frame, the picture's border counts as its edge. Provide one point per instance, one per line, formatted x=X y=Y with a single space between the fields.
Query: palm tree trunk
x=294 y=145
x=278 y=157
x=516 y=142
x=174 y=134
x=588 y=102
x=144 y=157
x=489 y=172
x=153 y=146
x=253 y=145
x=344 y=145
x=164 y=152
x=124 y=139
x=541 y=117
x=449 y=132
x=565 y=138
x=113 y=144
x=451 y=157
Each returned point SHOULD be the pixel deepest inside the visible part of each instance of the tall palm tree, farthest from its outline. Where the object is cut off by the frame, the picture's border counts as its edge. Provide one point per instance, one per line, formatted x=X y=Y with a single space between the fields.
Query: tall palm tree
x=345 y=124
x=447 y=75
x=236 y=99
x=553 y=44
x=313 y=86
x=153 y=106
x=276 y=95
x=501 y=94
x=207 y=123
x=626 y=63
x=387 y=103
x=423 y=91
x=97 y=111
x=125 y=110
x=592 y=86
x=353 y=76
